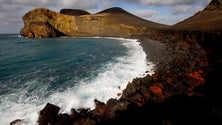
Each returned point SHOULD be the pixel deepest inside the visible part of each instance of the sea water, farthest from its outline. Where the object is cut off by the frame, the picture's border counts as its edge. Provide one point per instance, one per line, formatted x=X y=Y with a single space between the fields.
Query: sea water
x=67 y=72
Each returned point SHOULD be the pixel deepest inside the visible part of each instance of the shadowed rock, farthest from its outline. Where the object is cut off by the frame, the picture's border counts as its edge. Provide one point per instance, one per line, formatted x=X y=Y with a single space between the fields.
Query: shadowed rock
x=74 y=12
x=48 y=115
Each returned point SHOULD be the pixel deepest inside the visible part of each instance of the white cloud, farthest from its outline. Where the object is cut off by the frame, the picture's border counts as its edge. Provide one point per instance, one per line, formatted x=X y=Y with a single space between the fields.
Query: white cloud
x=163 y=2
x=77 y=4
x=9 y=8
x=180 y=9
x=167 y=2
x=106 y=4
x=146 y=14
x=80 y=4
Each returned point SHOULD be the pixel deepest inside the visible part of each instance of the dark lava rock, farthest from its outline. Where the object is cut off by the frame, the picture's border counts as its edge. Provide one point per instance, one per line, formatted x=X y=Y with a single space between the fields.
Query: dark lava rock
x=48 y=115
x=74 y=12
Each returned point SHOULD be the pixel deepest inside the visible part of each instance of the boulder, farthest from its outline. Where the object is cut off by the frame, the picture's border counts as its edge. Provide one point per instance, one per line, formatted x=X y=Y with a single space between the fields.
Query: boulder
x=45 y=23
x=48 y=115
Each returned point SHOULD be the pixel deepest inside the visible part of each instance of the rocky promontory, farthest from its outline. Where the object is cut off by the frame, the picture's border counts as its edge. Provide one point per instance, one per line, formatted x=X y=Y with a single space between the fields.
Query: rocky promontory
x=42 y=22
x=185 y=88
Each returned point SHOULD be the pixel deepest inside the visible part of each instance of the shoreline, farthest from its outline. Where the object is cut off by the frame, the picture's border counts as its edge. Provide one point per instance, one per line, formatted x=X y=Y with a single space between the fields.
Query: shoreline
x=138 y=94
x=154 y=50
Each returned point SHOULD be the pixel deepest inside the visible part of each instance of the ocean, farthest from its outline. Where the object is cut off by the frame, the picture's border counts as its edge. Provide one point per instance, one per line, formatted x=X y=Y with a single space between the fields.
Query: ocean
x=68 y=72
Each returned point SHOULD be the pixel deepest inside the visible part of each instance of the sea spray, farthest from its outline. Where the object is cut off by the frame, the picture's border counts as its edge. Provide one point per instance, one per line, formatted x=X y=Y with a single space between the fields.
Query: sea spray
x=53 y=78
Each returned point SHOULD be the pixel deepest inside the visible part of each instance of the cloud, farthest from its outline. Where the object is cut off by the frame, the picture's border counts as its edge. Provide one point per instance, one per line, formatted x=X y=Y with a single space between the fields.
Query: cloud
x=9 y=8
x=78 y=4
x=146 y=14
x=81 y=4
x=9 y=18
x=183 y=9
x=163 y=2
x=180 y=9
x=168 y=2
x=106 y=4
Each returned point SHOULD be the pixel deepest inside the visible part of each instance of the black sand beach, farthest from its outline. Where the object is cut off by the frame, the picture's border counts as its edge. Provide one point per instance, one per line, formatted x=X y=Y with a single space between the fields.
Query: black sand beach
x=156 y=51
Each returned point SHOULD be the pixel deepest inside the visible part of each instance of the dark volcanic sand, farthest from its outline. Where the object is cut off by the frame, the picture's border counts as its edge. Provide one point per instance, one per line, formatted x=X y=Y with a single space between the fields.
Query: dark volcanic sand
x=156 y=51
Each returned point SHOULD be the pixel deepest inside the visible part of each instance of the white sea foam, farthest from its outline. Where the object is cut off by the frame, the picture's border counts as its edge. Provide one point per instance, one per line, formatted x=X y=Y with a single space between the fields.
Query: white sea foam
x=112 y=79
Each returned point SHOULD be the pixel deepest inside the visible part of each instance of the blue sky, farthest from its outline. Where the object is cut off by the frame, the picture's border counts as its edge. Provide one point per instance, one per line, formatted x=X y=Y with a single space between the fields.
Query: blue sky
x=161 y=11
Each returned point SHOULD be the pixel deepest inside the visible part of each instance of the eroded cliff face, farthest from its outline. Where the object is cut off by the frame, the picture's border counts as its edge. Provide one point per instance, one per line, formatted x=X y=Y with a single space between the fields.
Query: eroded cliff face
x=45 y=23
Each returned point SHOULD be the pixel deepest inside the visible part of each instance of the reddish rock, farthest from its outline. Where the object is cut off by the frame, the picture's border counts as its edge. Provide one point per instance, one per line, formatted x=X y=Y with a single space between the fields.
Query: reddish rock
x=156 y=90
x=169 y=80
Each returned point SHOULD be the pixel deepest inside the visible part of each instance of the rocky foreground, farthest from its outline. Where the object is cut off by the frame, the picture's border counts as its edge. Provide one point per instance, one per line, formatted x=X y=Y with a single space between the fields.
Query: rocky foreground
x=185 y=88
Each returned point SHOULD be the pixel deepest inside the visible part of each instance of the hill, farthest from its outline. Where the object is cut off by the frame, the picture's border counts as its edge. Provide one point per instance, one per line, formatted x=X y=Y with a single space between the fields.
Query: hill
x=208 y=19
x=114 y=22
x=120 y=15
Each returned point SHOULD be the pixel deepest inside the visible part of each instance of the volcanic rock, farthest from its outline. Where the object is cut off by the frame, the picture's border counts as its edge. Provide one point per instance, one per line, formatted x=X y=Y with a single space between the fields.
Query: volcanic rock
x=74 y=12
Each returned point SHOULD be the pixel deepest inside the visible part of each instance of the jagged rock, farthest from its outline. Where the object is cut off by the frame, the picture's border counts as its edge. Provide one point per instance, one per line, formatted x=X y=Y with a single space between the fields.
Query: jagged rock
x=48 y=115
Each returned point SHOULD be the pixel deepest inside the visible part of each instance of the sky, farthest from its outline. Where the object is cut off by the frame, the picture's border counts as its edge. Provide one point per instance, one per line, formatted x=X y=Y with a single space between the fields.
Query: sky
x=161 y=11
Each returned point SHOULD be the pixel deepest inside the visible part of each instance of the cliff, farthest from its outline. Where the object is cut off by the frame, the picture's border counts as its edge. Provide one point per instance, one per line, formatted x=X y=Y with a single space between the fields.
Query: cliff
x=43 y=22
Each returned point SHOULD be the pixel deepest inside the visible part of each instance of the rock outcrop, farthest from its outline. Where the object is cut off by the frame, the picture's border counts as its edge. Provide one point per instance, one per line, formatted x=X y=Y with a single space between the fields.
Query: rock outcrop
x=43 y=22
x=46 y=23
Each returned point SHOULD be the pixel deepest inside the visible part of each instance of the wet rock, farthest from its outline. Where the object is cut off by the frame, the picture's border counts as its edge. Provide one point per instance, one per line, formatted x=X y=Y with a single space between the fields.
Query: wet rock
x=48 y=115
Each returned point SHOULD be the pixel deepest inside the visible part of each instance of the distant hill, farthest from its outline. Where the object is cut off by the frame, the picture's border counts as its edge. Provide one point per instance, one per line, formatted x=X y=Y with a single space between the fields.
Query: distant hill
x=120 y=15
x=209 y=18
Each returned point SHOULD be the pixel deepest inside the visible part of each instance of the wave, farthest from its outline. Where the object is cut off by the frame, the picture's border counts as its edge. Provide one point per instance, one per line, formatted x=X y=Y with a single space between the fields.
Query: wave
x=110 y=81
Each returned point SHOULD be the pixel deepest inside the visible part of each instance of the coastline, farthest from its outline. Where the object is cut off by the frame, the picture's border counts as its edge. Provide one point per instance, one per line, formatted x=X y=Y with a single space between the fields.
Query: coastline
x=144 y=97
x=183 y=88
x=155 y=50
